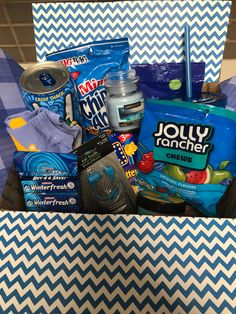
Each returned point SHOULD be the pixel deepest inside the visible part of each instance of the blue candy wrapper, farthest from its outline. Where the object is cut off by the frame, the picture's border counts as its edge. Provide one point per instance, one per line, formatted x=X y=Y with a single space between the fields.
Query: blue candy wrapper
x=187 y=150
x=126 y=146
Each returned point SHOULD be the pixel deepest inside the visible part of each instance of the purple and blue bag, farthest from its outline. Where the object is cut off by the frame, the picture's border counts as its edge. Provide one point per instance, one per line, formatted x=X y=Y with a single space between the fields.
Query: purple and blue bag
x=167 y=80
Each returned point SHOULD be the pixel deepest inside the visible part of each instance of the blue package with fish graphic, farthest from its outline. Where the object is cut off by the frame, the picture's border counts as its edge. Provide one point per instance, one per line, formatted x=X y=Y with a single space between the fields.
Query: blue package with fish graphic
x=89 y=64
x=187 y=150
x=49 y=180
x=41 y=164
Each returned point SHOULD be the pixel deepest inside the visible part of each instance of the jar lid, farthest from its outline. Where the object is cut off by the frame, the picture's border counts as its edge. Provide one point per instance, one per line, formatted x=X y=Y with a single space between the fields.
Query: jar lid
x=213 y=99
x=121 y=82
x=161 y=203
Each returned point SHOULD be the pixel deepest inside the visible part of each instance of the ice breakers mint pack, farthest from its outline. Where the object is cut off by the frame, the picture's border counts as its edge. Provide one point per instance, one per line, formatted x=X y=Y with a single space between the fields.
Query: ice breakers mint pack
x=89 y=64
x=49 y=180
x=187 y=150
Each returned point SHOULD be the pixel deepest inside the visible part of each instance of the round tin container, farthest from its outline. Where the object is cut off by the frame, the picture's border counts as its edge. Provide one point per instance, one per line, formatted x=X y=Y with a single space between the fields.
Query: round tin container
x=49 y=85
x=157 y=204
x=212 y=99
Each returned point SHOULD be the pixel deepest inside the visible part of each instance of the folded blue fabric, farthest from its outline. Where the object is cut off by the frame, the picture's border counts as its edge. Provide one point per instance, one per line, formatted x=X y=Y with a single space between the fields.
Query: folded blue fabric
x=41 y=130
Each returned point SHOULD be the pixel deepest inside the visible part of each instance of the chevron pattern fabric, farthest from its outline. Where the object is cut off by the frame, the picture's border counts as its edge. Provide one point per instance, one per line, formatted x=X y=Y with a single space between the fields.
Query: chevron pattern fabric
x=154 y=28
x=68 y=263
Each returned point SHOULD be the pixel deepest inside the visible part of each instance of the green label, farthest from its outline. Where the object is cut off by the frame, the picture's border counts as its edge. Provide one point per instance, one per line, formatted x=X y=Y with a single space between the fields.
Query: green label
x=174 y=156
x=175 y=84
x=186 y=145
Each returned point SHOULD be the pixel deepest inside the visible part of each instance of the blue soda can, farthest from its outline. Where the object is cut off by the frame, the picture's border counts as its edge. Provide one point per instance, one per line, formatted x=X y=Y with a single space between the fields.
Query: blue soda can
x=49 y=85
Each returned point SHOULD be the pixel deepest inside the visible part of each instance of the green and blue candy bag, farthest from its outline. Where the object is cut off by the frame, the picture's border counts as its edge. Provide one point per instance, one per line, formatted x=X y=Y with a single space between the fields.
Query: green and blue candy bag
x=187 y=150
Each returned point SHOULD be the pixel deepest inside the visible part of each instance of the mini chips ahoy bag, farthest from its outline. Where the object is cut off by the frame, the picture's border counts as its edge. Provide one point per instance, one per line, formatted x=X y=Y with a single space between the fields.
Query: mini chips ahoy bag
x=89 y=64
x=187 y=150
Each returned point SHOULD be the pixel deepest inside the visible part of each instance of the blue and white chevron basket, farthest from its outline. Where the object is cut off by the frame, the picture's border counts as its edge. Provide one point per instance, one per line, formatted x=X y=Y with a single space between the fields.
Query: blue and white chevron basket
x=68 y=263
x=154 y=28
x=53 y=263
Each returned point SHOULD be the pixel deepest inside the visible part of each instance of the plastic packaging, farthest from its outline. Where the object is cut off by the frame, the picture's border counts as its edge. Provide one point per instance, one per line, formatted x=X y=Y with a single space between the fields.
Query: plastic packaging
x=49 y=181
x=89 y=64
x=105 y=188
x=187 y=150
x=167 y=80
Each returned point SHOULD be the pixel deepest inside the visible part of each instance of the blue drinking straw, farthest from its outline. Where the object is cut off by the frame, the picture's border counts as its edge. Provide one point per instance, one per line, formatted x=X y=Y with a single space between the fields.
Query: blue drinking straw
x=188 y=72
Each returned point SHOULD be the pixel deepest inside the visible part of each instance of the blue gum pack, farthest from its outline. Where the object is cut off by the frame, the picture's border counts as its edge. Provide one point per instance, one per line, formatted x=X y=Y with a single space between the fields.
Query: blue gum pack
x=60 y=202
x=89 y=64
x=49 y=180
x=193 y=148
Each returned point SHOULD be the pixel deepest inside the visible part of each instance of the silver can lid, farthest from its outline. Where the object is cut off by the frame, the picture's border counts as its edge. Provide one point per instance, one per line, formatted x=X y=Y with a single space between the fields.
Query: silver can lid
x=44 y=77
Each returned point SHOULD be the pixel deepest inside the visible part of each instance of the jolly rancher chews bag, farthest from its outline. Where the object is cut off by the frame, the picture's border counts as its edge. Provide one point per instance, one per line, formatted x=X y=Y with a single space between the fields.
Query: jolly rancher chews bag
x=187 y=150
x=89 y=64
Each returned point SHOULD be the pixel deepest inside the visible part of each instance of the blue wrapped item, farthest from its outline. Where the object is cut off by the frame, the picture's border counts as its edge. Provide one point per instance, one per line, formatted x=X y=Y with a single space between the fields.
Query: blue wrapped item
x=189 y=158
x=89 y=64
x=167 y=80
x=49 y=181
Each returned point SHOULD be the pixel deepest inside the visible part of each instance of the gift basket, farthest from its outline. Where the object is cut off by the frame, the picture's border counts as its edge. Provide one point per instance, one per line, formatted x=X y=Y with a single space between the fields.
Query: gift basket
x=118 y=162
